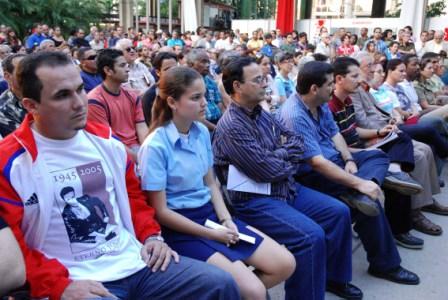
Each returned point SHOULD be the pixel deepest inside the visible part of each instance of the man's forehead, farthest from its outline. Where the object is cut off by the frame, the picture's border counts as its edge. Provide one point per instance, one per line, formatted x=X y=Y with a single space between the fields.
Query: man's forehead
x=251 y=71
x=60 y=77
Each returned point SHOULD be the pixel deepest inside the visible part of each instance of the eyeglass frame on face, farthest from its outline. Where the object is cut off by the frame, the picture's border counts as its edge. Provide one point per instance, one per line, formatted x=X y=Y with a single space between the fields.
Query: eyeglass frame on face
x=256 y=80
x=91 y=57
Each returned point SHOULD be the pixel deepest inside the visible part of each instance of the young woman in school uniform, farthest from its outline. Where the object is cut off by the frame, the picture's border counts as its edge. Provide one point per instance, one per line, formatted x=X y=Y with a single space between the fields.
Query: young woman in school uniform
x=176 y=167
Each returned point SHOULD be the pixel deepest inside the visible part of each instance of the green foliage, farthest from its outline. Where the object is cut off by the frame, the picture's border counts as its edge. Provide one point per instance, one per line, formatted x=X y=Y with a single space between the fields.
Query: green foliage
x=68 y=14
x=395 y=13
x=436 y=9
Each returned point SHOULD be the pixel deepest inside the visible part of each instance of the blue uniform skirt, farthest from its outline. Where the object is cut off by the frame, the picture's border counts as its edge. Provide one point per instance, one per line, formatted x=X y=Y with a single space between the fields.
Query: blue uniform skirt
x=201 y=248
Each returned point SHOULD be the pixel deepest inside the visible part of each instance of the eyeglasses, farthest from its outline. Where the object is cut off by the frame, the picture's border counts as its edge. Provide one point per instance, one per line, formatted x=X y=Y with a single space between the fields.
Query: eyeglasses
x=257 y=80
x=91 y=57
x=128 y=49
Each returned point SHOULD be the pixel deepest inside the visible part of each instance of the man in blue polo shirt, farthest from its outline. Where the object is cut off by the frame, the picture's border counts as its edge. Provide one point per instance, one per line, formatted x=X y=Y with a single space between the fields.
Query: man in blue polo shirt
x=36 y=38
x=89 y=74
x=331 y=168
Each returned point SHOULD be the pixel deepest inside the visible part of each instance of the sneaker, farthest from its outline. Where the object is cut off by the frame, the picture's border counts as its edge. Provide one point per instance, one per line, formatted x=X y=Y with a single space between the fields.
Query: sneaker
x=402 y=183
x=409 y=241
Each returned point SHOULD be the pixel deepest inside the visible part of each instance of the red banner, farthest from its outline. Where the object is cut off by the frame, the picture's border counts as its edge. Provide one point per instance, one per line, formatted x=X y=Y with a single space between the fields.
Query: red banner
x=285 y=15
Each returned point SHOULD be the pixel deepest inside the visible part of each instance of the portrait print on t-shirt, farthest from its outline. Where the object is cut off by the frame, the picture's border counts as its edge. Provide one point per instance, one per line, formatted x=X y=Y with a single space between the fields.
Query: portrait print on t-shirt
x=84 y=204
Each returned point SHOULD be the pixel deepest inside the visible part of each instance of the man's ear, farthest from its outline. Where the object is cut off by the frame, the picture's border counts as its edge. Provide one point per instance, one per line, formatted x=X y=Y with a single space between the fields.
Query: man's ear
x=108 y=71
x=30 y=105
x=236 y=86
x=314 y=88
x=338 y=78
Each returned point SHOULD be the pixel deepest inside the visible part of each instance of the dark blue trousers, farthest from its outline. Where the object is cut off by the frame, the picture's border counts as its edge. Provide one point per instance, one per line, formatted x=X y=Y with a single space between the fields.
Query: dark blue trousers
x=427 y=134
x=315 y=227
x=374 y=232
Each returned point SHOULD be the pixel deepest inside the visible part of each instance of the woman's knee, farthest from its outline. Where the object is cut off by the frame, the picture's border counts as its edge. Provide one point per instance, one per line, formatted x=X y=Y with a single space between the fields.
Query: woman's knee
x=252 y=289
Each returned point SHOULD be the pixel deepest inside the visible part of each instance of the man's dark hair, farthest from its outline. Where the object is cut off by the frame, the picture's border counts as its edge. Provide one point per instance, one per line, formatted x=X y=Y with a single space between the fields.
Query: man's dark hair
x=82 y=53
x=407 y=58
x=160 y=57
x=107 y=58
x=233 y=71
x=27 y=79
x=66 y=190
x=430 y=55
x=341 y=65
x=7 y=63
x=268 y=36
x=302 y=34
x=320 y=57
x=313 y=72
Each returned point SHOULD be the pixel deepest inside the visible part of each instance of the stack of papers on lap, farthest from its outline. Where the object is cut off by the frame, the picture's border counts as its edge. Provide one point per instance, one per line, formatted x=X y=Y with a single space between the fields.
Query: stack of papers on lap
x=238 y=181
x=380 y=142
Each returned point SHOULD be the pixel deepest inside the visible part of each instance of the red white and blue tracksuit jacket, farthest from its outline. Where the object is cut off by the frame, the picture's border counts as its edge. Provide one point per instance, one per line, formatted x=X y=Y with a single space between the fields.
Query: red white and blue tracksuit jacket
x=26 y=198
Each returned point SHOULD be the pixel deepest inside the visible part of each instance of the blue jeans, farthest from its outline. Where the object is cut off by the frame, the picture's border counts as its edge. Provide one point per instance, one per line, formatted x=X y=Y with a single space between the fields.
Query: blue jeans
x=189 y=279
x=374 y=232
x=315 y=227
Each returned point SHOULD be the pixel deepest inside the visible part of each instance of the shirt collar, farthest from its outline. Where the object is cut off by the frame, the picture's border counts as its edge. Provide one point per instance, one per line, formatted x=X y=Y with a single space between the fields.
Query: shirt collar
x=253 y=114
x=173 y=133
x=305 y=106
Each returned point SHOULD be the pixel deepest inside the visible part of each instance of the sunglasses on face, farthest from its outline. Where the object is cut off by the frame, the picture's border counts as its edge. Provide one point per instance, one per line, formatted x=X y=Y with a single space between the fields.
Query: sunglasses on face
x=128 y=49
x=91 y=57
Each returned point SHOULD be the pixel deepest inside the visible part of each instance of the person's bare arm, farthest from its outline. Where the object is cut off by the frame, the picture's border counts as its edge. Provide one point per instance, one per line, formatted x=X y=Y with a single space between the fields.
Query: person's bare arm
x=142 y=131
x=12 y=265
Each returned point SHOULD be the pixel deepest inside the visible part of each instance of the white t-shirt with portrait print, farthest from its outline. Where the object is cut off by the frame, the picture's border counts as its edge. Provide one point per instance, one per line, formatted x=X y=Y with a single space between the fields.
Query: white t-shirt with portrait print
x=86 y=233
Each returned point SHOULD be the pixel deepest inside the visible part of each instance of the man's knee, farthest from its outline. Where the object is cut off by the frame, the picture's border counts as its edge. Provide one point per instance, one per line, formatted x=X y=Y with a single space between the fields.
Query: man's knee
x=217 y=282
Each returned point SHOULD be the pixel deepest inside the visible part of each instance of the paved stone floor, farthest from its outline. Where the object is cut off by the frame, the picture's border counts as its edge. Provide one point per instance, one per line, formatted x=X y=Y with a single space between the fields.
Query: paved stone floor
x=431 y=264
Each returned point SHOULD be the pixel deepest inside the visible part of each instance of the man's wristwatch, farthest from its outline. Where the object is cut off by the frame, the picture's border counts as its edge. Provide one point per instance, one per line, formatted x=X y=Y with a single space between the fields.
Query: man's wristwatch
x=349 y=159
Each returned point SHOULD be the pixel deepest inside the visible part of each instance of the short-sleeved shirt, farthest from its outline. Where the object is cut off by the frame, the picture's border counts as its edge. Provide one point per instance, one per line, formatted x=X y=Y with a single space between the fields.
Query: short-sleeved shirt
x=90 y=80
x=317 y=134
x=425 y=91
x=12 y=113
x=213 y=97
x=384 y=99
x=405 y=103
x=345 y=117
x=409 y=89
x=285 y=86
x=120 y=111
x=175 y=42
x=177 y=164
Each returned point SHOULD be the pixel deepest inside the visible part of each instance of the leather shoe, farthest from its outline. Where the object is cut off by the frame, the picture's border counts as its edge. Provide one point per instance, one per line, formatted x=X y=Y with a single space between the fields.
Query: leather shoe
x=344 y=290
x=436 y=208
x=361 y=202
x=398 y=275
x=409 y=241
x=403 y=183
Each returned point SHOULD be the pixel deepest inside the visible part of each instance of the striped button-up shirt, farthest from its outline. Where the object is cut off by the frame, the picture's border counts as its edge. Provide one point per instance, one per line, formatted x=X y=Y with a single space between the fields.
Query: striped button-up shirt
x=259 y=146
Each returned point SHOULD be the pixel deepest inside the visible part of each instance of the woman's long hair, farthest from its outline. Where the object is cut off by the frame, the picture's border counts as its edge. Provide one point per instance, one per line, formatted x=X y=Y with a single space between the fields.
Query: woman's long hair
x=173 y=83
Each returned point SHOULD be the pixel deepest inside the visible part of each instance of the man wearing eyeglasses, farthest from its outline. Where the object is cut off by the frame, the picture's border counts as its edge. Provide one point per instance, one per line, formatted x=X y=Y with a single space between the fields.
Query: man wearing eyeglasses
x=89 y=74
x=140 y=79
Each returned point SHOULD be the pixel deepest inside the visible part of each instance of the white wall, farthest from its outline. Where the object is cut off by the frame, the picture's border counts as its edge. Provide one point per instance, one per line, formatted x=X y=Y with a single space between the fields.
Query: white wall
x=437 y=23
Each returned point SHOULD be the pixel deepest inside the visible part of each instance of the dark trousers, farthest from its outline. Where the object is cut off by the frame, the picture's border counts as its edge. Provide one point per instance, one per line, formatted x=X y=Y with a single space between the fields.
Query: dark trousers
x=374 y=232
x=315 y=228
x=401 y=151
x=428 y=135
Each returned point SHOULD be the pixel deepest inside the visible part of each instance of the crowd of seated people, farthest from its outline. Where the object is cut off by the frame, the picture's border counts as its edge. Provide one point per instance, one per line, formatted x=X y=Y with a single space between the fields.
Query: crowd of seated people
x=151 y=165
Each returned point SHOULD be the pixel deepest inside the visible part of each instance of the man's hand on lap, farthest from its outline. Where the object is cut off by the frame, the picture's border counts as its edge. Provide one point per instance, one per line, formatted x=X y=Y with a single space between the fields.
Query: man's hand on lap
x=157 y=255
